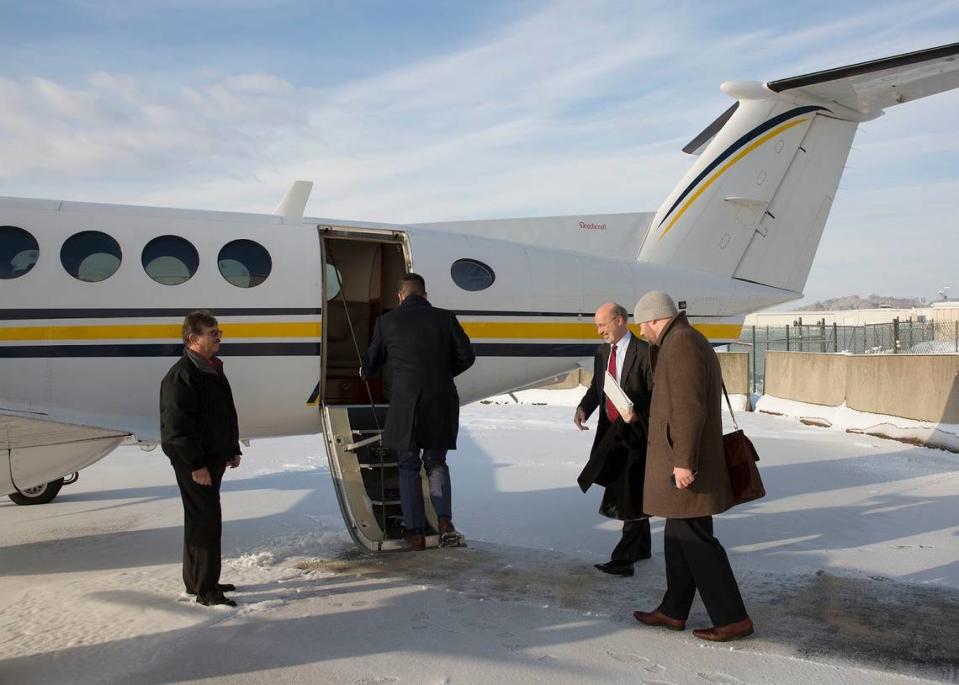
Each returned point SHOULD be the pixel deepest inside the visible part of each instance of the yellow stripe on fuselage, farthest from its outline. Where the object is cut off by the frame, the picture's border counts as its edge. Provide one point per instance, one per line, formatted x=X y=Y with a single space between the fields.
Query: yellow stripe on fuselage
x=477 y=330
x=506 y=330
x=723 y=169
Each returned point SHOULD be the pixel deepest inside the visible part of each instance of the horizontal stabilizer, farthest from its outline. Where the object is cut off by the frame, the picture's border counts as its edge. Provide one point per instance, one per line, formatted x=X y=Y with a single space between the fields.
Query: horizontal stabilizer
x=870 y=87
x=699 y=143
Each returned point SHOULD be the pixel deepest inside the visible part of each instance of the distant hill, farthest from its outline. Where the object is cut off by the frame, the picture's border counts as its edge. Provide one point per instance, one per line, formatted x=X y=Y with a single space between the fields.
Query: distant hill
x=868 y=302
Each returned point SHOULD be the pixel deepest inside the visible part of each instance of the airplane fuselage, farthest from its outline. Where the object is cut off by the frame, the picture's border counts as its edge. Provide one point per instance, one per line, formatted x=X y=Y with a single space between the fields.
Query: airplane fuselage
x=93 y=353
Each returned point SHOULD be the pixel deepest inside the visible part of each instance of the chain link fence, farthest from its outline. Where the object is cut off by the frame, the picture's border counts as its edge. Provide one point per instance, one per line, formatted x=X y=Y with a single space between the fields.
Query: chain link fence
x=895 y=337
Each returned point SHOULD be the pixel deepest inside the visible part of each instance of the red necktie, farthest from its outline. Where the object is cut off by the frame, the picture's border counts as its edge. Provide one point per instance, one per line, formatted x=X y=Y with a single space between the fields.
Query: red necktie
x=611 y=413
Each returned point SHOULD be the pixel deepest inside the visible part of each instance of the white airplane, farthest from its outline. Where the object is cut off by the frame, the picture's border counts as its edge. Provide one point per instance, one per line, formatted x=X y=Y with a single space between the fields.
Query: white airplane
x=93 y=295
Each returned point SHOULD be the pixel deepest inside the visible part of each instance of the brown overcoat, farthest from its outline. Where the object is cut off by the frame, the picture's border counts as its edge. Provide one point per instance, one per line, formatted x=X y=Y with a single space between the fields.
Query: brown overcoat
x=685 y=426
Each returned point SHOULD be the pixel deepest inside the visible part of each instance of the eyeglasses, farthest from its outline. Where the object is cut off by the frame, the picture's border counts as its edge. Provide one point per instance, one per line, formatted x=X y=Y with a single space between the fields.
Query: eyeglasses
x=215 y=332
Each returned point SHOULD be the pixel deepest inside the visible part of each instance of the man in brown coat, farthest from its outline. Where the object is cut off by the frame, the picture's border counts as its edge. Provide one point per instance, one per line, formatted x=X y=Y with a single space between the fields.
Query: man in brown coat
x=686 y=477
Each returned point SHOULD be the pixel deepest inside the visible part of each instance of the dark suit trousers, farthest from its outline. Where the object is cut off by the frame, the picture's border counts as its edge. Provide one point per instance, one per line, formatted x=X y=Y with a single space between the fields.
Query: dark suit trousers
x=635 y=543
x=411 y=486
x=202 y=529
x=696 y=561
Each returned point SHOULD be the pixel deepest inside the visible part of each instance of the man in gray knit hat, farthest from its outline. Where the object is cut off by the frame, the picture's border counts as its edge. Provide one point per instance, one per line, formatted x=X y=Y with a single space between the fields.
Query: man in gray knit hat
x=686 y=478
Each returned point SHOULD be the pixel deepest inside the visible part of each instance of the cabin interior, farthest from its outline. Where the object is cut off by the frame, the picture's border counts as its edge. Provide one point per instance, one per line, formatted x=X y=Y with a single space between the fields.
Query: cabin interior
x=360 y=284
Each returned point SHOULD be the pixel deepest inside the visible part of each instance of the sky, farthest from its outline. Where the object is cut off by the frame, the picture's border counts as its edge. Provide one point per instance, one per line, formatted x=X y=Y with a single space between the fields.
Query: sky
x=427 y=111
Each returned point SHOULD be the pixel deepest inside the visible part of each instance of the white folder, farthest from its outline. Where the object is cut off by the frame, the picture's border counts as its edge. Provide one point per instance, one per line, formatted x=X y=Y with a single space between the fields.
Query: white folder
x=616 y=394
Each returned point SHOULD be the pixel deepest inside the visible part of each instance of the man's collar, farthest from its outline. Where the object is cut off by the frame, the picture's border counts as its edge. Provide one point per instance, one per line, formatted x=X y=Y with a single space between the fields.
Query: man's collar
x=624 y=341
x=677 y=321
x=211 y=365
x=415 y=301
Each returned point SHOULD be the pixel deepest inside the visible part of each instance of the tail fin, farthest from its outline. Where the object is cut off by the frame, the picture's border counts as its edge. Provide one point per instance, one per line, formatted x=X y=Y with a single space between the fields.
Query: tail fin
x=754 y=205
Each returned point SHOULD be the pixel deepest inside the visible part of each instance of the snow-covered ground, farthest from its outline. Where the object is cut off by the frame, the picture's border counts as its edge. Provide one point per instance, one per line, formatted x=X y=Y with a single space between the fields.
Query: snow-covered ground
x=927 y=433
x=849 y=568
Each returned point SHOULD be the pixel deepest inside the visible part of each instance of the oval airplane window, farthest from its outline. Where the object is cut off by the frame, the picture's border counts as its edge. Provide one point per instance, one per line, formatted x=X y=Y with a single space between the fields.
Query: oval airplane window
x=473 y=275
x=19 y=252
x=170 y=260
x=91 y=256
x=334 y=282
x=244 y=263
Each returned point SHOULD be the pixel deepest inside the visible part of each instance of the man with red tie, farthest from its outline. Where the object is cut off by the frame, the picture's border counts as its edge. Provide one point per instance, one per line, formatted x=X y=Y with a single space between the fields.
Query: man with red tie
x=618 y=458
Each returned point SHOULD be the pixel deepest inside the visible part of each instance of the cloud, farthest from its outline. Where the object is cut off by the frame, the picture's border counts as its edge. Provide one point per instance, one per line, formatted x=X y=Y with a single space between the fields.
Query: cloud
x=572 y=108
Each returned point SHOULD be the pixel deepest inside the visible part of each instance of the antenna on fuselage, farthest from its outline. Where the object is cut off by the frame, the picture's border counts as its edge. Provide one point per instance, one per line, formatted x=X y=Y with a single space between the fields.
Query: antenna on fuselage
x=293 y=204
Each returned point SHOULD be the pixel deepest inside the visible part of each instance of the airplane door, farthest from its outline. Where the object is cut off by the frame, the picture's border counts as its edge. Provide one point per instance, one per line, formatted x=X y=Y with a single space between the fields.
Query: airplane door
x=361 y=271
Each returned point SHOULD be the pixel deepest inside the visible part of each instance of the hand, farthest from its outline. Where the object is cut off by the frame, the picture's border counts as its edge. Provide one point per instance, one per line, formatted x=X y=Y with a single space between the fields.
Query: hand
x=629 y=415
x=579 y=418
x=234 y=462
x=202 y=476
x=684 y=477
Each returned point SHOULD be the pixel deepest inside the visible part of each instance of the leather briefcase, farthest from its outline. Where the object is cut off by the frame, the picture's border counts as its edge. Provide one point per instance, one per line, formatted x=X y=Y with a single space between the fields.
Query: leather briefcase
x=741 y=458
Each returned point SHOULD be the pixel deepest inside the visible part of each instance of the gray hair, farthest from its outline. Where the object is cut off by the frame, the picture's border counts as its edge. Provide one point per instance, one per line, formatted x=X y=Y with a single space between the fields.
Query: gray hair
x=196 y=321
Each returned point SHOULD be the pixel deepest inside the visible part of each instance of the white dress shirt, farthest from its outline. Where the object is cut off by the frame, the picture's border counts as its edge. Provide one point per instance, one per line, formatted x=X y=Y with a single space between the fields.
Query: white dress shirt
x=621 y=348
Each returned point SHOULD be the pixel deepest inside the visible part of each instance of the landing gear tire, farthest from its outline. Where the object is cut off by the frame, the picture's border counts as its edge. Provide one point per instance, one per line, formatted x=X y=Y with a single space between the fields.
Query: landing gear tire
x=41 y=494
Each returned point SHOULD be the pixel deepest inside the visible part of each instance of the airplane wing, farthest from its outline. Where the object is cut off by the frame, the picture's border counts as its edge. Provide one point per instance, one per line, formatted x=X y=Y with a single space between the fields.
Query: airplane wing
x=866 y=88
x=18 y=432
x=870 y=87
x=34 y=450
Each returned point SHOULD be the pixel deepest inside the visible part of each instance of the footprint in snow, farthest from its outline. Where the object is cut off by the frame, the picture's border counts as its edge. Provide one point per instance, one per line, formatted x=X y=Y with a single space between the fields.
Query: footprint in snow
x=724 y=678
x=628 y=658
x=513 y=647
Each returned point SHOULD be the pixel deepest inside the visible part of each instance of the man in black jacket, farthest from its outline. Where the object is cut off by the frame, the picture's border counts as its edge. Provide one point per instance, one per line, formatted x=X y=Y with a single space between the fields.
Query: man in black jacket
x=618 y=458
x=200 y=435
x=425 y=347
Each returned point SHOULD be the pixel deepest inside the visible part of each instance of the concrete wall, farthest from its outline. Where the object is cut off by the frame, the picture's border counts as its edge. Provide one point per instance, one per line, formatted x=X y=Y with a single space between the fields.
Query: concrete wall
x=920 y=387
x=806 y=377
x=735 y=366
x=564 y=382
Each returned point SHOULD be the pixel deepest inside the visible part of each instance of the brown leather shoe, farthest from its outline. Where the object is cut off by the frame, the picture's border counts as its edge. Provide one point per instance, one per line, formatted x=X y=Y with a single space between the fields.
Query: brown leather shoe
x=732 y=631
x=415 y=539
x=658 y=618
x=446 y=526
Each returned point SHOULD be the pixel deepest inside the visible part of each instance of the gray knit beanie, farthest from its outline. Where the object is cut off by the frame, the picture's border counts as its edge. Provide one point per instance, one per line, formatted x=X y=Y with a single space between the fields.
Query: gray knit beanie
x=653 y=306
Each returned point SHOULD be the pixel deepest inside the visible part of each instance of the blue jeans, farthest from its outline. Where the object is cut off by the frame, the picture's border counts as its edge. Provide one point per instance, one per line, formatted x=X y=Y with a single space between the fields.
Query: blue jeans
x=411 y=489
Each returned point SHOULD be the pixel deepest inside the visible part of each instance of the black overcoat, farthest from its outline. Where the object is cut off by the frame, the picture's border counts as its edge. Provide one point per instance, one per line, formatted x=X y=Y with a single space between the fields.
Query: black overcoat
x=618 y=458
x=424 y=347
x=198 y=424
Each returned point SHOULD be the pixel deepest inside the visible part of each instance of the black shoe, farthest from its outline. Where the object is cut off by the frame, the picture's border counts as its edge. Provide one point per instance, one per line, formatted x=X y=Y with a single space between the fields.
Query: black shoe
x=415 y=539
x=221 y=587
x=214 y=599
x=616 y=568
